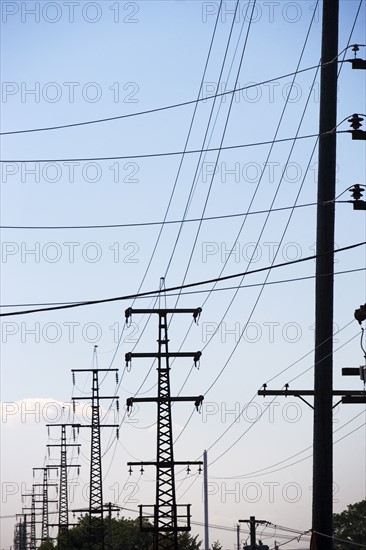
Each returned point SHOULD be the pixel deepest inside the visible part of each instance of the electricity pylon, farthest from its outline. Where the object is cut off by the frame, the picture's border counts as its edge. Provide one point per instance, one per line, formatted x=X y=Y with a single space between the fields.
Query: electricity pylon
x=63 y=506
x=165 y=515
x=32 y=539
x=95 y=527
x=45 y=500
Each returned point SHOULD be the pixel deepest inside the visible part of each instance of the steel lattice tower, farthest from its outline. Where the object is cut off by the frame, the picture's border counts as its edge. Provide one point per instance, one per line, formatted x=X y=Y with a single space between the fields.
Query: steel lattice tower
x=23 y=538
x=45 y=500
x=165 y=512
x=63 y=496
x=33 y=523
x=32 y=538
x=20 y=533
x=63 y=502
x=96 y=528
x=16 y=539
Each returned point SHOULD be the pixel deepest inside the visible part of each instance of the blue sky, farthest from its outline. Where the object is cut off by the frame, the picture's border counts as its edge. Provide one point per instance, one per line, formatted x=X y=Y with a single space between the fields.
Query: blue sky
x=138 y=56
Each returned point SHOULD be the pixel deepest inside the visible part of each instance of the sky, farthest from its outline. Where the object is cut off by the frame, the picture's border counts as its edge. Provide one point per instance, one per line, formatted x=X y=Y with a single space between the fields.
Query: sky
x=70 y=62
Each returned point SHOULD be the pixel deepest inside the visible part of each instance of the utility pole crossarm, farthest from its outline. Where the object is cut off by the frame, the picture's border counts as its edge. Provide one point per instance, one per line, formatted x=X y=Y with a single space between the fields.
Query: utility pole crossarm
x=156 y=354
x=92 y=370
x=131 y=400
x=298 y=393
x=259 y=521
x=102 y=425
x=196 y=312
x=195 y=355
x=111 y=397
x=61 y=445
x=166 y=464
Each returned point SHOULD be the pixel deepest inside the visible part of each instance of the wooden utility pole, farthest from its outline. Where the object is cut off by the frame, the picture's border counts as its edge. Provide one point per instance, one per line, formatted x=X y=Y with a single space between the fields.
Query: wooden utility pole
x=252 y=529
x=322 y=520
x=205 y=493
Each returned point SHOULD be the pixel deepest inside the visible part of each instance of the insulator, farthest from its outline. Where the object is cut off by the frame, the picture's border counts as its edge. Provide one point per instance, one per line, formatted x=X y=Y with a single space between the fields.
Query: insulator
x=73 y=379
x=130 y=470
x=117 y=377
x=200 y=469
x=48 y=450
x=129 y=404
x=118 y=513
x=78 y=450
x=363 y=374
x=128 y=313
x=198 y=403
x=355 y=48
x=197 y=315
x=196 y=359
x=73 y=433
x=360 y=314
x=356 y=192
x=73 y=407
x=117 y=405
x=128 y=361
x=355 y=121
x=142 y=470
x=78 y=473
x=188 y=469
x=78 y=430
x=117 y=433
x=48 y=430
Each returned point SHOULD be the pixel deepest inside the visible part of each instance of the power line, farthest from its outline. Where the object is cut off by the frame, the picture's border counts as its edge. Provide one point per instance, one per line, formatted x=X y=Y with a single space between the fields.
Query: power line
x=290 y=217
x=257 y=419
x=341 y=540
x=170 y=289
x=154 y=110
x=260 y=416
x=163 y=154
x=298 y=194
x=194 y=182
x=263 y=471
x=265 y=223
x=272 y=203
x=179 y=171
x=283 y=281
x=148 y=224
